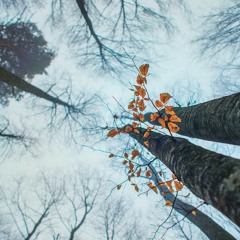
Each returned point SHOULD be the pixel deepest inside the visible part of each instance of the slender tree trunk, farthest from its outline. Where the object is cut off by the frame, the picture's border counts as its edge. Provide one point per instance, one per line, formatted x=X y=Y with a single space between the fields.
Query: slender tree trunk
x=217 y=120
x=213 y=177
x=209 y=227
x=13 y=80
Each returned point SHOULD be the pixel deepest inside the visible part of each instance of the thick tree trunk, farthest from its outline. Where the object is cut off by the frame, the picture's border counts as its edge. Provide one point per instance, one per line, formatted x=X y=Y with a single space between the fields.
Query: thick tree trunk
x=206 y=224
x=216 y=120
x=13 y=80
x=213 y=177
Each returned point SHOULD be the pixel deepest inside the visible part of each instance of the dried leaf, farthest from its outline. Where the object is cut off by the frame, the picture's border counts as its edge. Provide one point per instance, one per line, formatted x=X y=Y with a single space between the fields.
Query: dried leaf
x=111 y=155
x=134 y=124
x=141 y=80
x=148 y=173
x=136 y=188
x=168 y=110
x=158 y=104
x=164 y=97
x=124 y=162
x=139 y=172
x=143 y=69
x=169 y=184
x=119 y=186
x=115 y=116
x=135 y=153
x=131 y=166
x=175 y=118
x=146 y=134
x=153 y=116
x=125 y=155
x=146 y=143
x=128 y=129
x=178 y=185
x=194 y=213
x=168 y=203
x=162 y=122
x=112 y=133
x=173 y=127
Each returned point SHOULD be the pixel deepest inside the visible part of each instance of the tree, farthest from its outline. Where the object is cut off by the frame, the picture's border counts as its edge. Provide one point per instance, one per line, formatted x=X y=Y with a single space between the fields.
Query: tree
x=220 y=39
x=70 y=110
x=215 y=120
x=210 y=176
x=100 y=33
x=24 y=52
x=117 y=220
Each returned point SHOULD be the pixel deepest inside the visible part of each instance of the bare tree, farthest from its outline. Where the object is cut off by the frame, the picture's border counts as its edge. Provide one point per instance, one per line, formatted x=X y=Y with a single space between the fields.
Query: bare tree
x=28 y=218
x=117 y=220
x=80 y=193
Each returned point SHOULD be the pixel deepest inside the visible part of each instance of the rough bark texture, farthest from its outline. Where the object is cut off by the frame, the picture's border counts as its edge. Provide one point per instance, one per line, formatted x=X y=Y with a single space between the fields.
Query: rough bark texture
x=18 y=82
x=206 y=224
x=216 y=120
x=213 y=177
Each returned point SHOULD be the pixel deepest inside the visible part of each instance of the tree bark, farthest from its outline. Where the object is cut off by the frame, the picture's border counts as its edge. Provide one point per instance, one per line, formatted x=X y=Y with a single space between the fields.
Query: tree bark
x=13 y=80
x=206 y=224
x=217 y=120
x=213 y=177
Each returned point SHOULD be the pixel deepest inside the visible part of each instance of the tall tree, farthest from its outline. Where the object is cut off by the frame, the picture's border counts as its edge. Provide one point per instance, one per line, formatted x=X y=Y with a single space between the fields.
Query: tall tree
x=216 y=120
x=210 y=176
x=24 y=52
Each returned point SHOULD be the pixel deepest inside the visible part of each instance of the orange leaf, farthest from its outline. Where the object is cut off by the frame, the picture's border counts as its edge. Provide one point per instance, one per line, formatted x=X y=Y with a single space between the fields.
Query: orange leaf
x=125 y=155
x=158 y=104
x=154 y=116
x=128 y=129
x=193 y=212
x=148 y=173
x=143 y=69
x=168 y=203
x=111 y=155
x=136 y=131
x=173 y=127
x=119 y=186
x=134 y=124
x=146 y=143
x=141 y=105
x=131 y=105
x=169 y=183
x=162 y=122
x=168 y=110
x=161 y=184
x=150 y=184
x=112 y=133
x=164 y=97
x=124 y=162
x=131 y=166
x=135 y=153
x=139 y=172
x=142 y=92
x=178 y=185
x=154 y=188
x=141 y=117
x=175 y=118
x=166 y=118
x=136 y=188
x=141 y=80
x=146 y=134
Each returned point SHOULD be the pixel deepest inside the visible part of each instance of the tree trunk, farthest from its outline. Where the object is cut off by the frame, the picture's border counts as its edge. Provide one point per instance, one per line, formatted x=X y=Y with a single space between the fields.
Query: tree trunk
x=13 y=80
x=213 y=177
x=217 y=120
x=206 y=224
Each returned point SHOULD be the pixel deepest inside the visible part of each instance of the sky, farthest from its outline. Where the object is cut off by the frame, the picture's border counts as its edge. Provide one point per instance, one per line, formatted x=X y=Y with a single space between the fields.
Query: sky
x=176 y=66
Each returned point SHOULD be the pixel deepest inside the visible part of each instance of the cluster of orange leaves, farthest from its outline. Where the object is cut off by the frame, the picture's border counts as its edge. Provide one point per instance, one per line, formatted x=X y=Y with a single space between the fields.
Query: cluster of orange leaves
x=137 y=106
